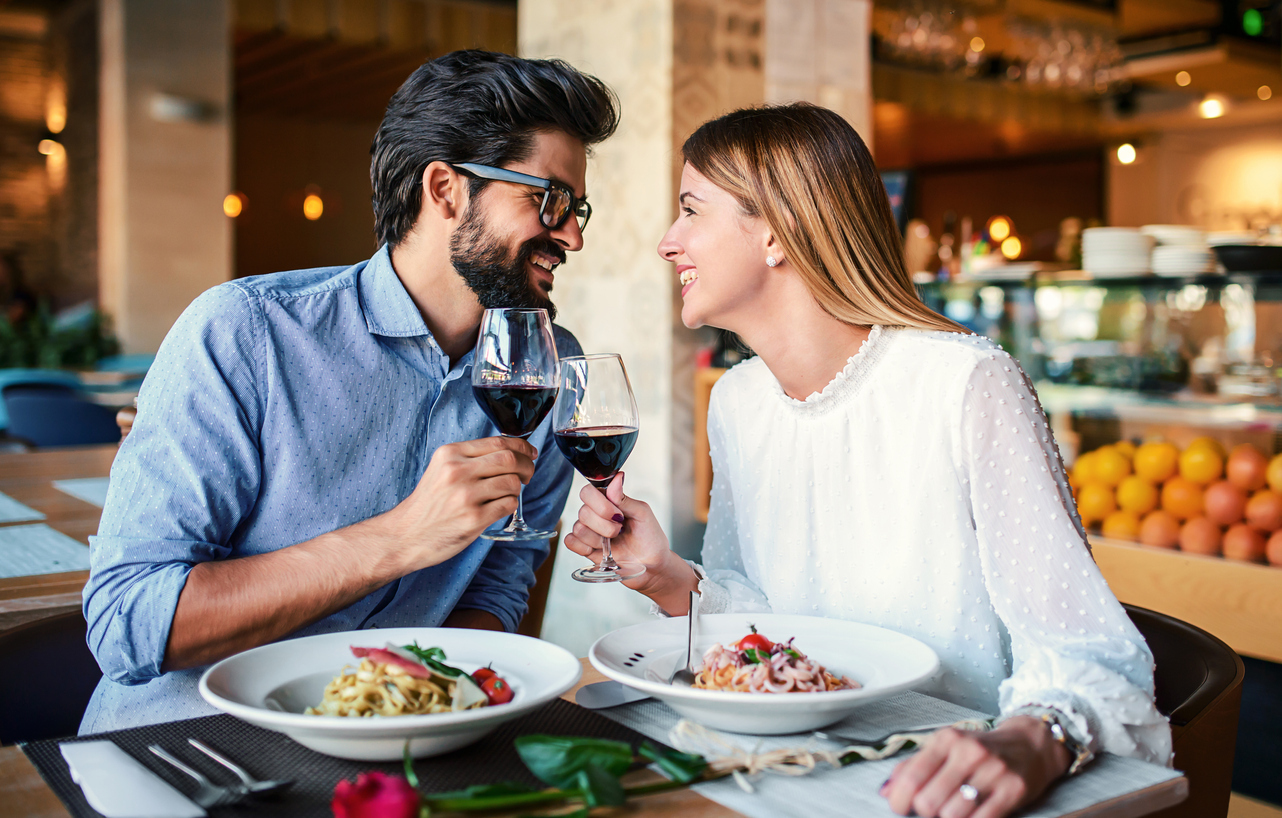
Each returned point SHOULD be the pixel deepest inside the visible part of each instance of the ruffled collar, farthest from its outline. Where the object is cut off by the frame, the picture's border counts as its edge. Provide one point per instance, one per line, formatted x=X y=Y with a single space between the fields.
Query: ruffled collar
x=846 y=382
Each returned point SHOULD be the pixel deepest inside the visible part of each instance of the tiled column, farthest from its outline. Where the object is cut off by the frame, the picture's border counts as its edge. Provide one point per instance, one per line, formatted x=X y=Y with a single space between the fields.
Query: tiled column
x=165 y=161
x=674 y=64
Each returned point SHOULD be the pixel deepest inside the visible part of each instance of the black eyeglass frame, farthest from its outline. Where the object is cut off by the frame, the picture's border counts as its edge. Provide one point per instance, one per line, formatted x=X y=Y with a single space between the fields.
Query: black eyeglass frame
x=494 y=174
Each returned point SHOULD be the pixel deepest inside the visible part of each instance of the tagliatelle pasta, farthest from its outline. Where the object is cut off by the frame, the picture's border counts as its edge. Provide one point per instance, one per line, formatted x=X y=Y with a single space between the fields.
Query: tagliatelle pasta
x=766 y=668
x=394 y=682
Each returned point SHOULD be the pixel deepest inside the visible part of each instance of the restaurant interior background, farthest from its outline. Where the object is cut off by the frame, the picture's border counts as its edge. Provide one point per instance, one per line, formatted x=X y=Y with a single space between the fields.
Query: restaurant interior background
x=150 y=149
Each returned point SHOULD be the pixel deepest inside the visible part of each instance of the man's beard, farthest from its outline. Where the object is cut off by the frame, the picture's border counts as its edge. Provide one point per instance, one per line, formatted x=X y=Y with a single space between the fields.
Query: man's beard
x=483 y=262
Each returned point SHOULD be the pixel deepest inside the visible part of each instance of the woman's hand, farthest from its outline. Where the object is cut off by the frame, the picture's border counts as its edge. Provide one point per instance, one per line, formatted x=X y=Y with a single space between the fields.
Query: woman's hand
x=1009 y=767
x=635 y=537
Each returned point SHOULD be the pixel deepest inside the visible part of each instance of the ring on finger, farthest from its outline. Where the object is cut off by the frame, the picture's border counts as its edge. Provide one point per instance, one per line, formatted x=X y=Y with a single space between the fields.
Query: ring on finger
x=968 y=793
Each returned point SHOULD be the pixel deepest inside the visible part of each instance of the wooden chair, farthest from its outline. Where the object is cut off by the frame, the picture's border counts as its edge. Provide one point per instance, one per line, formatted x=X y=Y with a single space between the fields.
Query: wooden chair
x=532 y=622
x=49 y=676
x=1198 y=683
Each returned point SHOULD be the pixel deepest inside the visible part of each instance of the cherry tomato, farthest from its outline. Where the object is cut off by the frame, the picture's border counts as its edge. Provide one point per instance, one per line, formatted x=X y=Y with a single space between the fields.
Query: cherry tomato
x=484 y=673
x=497 y=689
x=756 y=641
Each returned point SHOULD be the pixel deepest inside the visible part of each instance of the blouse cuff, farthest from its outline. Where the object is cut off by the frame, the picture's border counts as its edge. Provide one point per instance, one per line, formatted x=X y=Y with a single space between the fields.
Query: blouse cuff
x=1076 y=719
x=713 y=598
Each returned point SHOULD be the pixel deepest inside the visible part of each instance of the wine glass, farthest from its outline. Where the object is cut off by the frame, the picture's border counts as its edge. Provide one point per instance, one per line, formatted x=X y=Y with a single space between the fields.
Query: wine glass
x=514 y=371
x=595 y=423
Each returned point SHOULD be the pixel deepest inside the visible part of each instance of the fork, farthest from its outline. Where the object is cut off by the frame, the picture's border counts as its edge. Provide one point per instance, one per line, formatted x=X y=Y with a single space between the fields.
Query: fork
x=208 y=794
x=684 y=674
x=252 y=785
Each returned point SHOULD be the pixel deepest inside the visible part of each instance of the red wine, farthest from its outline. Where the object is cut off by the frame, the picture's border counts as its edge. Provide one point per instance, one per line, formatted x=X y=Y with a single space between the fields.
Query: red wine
x=597 y=452
x=516 y=410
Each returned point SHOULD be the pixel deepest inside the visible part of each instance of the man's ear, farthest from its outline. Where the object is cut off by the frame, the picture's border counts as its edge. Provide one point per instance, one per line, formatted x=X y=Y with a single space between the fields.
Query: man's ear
x=444 y=191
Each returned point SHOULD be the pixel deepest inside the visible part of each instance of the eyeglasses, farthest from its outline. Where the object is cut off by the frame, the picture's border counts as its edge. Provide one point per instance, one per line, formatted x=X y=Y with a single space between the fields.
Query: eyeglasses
x=558 y=200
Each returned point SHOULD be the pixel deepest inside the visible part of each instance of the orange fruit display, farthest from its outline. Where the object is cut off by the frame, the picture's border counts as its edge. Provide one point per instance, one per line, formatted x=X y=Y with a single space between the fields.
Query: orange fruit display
x=1207 y=442
x=1241 y=542
x=1201 y=464
x=1200 y=536
x=1084 y=469
x=1095 y=501
x=1126 y=448
x=1139 y=496
x=1273 y=549
x=1110 y=466
x=1182 y=498
x=1161 y=529
x=1246 y=467
x=1122 y=525
x=1225 y=503
x=1264 y=510
x=1273 y=474
x=1157 y=461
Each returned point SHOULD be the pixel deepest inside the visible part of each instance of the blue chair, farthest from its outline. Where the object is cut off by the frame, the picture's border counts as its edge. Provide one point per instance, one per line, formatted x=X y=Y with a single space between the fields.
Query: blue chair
x=12 y=378
x=47 y=415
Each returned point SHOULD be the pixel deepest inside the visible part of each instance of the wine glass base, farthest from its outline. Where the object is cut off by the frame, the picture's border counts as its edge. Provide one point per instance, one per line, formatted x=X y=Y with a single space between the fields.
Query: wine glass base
x=505 y=535
x=626 y=570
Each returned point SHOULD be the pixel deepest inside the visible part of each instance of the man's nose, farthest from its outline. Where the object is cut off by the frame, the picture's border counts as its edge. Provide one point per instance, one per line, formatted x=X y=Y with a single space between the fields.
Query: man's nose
x=568 y=235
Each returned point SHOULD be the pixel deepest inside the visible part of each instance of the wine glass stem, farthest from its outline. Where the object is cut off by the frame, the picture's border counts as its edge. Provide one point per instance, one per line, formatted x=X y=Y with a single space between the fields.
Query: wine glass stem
x=518 y=519
x=607 y=558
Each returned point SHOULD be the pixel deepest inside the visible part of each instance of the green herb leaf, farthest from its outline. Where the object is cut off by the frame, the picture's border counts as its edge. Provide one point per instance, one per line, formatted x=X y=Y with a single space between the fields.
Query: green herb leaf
x=794 y=654
x=682 y=767
x=432 y=658
x=753 y=656
x=557 y=760
x=600 y=788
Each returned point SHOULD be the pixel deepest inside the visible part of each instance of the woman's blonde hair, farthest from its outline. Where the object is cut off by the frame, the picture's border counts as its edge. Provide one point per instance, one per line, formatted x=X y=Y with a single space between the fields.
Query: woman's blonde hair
x=805 y=171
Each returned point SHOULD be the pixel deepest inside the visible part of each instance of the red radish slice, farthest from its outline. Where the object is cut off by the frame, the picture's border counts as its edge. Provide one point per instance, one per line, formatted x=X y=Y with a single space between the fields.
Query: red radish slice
x=388 y=658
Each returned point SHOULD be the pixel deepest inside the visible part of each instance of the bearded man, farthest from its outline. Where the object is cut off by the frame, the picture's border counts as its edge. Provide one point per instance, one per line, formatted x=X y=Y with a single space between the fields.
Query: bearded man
x=308 y=456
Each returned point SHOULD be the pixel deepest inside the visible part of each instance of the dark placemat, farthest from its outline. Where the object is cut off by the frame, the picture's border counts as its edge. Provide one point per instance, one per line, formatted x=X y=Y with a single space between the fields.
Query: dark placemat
x=269 y=755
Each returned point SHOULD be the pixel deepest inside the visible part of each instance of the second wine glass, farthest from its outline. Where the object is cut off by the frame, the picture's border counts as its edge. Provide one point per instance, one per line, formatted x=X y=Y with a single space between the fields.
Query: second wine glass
x=514 y=372
x=596 y=424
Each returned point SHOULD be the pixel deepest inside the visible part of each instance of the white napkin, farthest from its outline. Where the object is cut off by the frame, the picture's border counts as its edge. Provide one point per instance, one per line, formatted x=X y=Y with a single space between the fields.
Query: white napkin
x=118 y=786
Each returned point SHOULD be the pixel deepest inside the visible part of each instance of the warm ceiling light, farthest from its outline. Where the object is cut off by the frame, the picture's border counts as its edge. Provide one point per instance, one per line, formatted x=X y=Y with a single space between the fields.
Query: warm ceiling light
x=232 y=205
x=1211 y=108
x=1012 y=247
x=998 y=228
x=47 y=146
x=1126 y=153
x=313 y=207
x=1183 y=78
x=1264 y=92
x=977 y=44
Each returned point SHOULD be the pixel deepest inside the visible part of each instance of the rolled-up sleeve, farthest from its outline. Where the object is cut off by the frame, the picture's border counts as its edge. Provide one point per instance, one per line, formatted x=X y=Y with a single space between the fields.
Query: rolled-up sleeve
x=502 y=584
x=186 y=476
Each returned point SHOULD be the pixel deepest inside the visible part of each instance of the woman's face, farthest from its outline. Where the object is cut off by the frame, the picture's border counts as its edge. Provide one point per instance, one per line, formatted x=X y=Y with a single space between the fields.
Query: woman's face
x=719 y=253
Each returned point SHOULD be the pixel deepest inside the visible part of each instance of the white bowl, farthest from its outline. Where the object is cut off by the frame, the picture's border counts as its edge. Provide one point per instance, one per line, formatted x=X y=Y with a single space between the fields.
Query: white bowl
x=882 y=661
x=270 y=686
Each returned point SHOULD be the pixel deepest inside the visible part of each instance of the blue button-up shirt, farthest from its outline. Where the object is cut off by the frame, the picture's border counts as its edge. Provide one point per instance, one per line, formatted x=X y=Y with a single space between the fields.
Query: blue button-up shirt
x=280 y=408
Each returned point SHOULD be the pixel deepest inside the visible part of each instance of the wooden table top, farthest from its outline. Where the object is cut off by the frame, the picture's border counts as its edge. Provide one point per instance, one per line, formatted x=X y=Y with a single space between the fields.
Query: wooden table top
x=28 y=478
x=24 y=793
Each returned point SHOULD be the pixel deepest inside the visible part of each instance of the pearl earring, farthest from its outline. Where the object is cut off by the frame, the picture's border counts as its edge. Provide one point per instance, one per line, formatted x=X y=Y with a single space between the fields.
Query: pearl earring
x=771 y=261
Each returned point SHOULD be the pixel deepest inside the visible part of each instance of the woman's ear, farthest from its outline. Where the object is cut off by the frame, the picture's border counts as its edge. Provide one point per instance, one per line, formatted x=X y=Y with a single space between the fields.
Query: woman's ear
x=774 y=252
x=444 y=191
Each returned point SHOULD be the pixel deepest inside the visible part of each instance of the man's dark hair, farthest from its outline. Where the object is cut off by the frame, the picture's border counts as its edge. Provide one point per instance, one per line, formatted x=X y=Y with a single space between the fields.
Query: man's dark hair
x=476 y=106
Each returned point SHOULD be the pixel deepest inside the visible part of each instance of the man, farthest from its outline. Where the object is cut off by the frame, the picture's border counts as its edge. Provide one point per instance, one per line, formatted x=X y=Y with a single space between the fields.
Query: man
x=308 y=456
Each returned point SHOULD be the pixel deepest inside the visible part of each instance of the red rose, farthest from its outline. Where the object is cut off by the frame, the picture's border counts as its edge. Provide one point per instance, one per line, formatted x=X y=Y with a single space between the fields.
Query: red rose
x=375 y=795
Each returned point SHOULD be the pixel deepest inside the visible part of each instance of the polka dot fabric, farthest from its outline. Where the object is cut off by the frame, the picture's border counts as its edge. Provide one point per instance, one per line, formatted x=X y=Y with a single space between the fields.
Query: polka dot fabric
x=280 y=408
x=922 y=491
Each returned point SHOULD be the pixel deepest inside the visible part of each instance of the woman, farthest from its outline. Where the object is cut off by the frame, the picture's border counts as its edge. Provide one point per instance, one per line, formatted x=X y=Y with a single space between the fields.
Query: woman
x=878 y=463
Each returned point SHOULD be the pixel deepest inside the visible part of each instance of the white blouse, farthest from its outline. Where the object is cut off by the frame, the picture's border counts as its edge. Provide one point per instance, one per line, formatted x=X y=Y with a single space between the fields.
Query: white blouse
x=922 y=491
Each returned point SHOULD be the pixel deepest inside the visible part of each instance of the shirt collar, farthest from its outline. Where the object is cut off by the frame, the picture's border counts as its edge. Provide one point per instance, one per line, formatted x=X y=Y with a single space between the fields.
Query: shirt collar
x=388 y=308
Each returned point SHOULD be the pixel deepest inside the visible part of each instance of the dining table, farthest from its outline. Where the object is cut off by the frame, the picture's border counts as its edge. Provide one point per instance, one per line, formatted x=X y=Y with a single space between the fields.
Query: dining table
x=29 y=478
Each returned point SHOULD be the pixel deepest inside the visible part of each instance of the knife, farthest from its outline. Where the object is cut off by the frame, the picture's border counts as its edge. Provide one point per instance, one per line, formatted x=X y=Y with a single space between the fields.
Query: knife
x=607 y=694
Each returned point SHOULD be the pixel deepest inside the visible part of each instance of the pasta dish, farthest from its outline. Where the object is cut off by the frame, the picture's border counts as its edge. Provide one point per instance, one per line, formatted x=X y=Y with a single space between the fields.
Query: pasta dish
x=407 y=681
x=754 y=664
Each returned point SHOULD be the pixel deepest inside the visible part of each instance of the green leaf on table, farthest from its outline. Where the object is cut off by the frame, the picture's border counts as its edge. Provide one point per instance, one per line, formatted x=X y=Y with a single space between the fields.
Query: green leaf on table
x=582 y=812
x=408 y=761
x=557 y=760
x=600 y=788
x=484 y=791
x=680 y=767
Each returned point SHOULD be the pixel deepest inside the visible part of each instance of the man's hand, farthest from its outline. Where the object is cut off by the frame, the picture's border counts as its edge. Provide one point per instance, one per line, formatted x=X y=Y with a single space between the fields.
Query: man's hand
x=466 y=488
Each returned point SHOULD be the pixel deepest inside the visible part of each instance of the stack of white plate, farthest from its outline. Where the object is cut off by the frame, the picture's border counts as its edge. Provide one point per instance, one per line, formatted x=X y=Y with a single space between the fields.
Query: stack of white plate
x=1115 y=251
x=1232 y=237
x=1175 y=260
x=1179 y=234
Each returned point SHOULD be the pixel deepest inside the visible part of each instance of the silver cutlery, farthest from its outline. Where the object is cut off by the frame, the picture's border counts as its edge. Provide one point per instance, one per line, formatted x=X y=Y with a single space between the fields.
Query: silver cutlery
x=208 y=794
x=684 y=674
x=253 y=785
x=600 y=695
